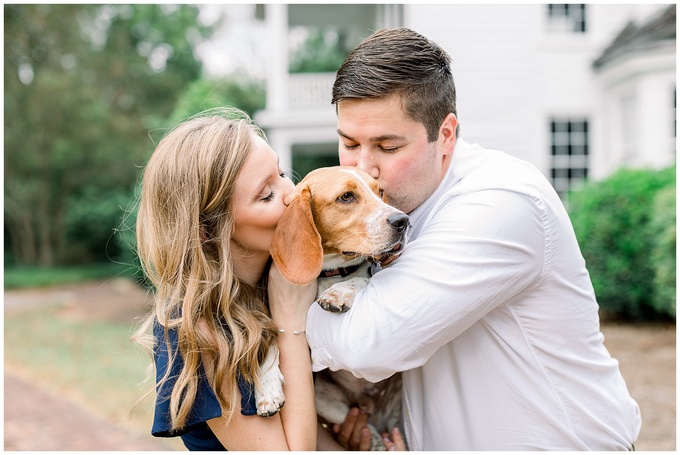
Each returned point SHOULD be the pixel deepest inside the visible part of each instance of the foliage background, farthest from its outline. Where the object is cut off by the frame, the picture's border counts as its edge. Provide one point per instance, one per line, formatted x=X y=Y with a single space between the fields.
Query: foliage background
x=84 y=85
x=89 y=90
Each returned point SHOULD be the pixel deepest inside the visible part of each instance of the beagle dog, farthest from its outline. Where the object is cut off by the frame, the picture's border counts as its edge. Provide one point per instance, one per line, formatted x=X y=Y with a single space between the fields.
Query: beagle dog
x=337 y=229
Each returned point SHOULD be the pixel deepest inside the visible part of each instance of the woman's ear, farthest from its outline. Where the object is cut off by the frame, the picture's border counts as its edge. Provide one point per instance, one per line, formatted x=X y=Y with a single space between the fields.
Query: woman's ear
x=296 y=248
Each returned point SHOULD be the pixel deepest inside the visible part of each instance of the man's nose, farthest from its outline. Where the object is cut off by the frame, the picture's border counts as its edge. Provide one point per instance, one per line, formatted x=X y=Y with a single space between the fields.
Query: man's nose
x=367 y=163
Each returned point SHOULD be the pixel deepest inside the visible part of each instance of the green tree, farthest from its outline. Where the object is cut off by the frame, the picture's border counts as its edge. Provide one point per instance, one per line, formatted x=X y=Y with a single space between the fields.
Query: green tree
x=235 y=90
x=323 y=50
x=83 y=86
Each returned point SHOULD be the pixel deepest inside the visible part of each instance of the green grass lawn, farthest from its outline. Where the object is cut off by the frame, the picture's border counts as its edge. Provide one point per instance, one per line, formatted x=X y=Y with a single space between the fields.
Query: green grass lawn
x=32 y=277
x=94 y=363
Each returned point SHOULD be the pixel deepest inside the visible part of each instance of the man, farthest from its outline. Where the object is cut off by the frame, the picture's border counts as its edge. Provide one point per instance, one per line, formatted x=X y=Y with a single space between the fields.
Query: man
x=489 y=313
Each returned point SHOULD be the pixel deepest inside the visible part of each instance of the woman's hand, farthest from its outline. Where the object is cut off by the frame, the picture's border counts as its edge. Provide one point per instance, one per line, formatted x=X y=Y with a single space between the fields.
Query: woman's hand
x=289 y=302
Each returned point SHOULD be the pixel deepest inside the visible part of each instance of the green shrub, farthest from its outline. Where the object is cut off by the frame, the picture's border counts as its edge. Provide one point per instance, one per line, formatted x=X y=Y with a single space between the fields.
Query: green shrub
x=663 y=232
x=92 y=222
x=612 y=223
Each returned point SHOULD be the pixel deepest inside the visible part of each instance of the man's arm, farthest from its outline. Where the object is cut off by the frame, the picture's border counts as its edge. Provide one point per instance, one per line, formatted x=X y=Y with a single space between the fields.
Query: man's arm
x=476 y=252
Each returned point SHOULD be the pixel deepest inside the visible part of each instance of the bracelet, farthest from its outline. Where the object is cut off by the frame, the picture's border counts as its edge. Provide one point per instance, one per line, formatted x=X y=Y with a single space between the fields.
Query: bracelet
x=295 y=332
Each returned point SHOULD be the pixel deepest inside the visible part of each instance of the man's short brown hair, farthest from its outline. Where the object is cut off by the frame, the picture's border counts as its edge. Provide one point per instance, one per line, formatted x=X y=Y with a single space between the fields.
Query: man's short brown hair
x=400 y=62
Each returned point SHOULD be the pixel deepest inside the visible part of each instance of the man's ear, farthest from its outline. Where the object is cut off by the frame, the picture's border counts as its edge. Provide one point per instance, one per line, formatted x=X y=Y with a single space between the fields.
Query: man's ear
x=296 y=248
x=447 y=133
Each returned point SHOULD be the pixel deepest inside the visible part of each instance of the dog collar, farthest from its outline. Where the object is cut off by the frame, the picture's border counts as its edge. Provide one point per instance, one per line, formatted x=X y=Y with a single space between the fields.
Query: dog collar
x=340 y=271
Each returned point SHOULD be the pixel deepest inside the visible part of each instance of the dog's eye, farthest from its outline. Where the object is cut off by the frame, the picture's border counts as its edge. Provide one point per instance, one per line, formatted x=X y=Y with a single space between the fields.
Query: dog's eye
x=381 y=192
x=346 y=197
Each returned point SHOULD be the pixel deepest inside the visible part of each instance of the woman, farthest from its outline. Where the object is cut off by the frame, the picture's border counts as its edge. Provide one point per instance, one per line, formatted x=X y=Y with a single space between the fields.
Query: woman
x=212 y=194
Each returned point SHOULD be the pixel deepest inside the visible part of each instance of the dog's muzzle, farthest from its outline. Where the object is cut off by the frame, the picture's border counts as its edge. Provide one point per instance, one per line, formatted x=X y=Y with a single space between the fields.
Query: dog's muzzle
x=401 y=224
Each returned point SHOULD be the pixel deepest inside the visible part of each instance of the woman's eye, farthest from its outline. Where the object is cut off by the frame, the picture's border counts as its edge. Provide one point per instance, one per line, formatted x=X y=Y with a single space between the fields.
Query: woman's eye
x=270 y=197
x=346 y=197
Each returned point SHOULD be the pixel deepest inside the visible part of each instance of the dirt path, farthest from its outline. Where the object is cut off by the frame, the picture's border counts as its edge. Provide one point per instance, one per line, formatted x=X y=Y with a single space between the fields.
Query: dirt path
x=38 y=419
x=647 y=356
x=647 y=359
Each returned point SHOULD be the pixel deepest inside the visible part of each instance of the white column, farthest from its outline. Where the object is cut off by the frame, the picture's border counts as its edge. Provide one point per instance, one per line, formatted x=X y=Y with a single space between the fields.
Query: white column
x=277 y=78
x=280 y=142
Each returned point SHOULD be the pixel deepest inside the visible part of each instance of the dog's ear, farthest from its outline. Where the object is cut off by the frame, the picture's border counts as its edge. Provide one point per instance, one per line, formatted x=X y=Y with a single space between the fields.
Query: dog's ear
x=296 y=248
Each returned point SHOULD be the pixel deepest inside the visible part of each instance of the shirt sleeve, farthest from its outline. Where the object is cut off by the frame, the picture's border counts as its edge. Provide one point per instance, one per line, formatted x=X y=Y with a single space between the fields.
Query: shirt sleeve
x=476 y=251
x=206 y=405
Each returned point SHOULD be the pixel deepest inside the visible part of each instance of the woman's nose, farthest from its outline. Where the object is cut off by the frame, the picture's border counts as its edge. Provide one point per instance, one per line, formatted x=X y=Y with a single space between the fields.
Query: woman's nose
x=288 y=194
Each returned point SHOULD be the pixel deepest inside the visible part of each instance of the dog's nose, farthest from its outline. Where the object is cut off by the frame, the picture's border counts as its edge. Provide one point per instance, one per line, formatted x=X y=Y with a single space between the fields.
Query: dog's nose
x=399 y=221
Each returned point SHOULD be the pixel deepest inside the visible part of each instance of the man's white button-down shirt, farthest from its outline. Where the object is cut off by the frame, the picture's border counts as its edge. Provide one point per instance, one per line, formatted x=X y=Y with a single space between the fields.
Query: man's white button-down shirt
x=491 y=315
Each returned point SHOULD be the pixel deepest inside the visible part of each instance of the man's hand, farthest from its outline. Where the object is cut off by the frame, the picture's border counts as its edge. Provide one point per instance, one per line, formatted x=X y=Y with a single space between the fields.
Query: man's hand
x=394 y=441
x=353 y=434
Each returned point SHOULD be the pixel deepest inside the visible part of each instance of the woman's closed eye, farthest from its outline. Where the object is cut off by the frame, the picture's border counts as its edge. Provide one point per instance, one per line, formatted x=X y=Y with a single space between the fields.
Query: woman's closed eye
x=270 y=197
x=272 y=194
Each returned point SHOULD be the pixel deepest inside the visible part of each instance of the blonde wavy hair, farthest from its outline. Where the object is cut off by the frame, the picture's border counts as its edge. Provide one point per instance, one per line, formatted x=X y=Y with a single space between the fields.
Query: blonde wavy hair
x=184 y=227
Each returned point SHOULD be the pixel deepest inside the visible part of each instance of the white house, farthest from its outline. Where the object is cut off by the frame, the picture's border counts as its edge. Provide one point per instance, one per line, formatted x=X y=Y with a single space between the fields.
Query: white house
x=579 y=90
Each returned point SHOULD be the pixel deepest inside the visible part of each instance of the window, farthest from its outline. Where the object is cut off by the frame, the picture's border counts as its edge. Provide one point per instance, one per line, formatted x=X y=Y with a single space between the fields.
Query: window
x=568 y=154
x=567 y=17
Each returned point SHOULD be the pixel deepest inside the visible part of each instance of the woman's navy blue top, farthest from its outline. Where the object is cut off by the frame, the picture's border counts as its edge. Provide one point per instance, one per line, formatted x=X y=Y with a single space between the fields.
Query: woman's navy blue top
x=196 y=434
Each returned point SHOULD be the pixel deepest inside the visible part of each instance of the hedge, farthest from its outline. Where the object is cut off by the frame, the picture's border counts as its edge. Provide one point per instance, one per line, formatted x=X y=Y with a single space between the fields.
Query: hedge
x=662 y=230
x=625 y=226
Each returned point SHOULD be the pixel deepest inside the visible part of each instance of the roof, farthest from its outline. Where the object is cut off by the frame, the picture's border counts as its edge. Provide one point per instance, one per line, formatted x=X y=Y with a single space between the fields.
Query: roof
x=658 y=30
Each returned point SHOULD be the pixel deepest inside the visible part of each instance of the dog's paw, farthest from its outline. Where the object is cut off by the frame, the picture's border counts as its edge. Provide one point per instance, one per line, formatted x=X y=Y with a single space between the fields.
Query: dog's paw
x=270 y=400
x=269 y=396
x=339 y=297
x=335 y=301
x=331 y=402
